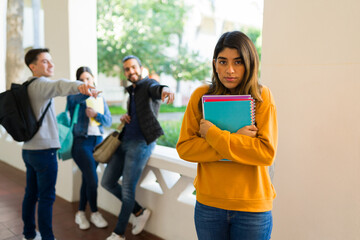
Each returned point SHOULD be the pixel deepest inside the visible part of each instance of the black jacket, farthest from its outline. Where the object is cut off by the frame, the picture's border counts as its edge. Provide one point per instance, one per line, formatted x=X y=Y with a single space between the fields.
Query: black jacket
x=147 y=105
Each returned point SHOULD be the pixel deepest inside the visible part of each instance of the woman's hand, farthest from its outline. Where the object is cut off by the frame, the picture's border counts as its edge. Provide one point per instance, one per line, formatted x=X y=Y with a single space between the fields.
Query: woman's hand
x=250 y=131
x=204 y=127
x=125 y=118
x=90 y=112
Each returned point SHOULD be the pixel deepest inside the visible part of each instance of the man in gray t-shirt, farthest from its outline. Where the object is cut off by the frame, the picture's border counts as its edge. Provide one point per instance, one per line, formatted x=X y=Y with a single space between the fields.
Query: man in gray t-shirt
x=39 y=153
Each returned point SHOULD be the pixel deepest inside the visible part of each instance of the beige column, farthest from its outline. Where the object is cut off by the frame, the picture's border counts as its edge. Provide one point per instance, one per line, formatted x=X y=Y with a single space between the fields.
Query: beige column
x=14 y=65
x=70 y=34
x=3 y=6
x=311 y=62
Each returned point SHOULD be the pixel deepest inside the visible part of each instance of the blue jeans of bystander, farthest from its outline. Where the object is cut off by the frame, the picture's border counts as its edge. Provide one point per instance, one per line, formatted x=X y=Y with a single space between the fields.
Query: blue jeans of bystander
x=82 y=153
x=41 y=174
x=128 y=161
x=214 y=223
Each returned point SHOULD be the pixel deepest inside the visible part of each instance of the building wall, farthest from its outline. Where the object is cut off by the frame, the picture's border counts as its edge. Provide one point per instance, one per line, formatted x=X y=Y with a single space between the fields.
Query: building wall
x=311 y=58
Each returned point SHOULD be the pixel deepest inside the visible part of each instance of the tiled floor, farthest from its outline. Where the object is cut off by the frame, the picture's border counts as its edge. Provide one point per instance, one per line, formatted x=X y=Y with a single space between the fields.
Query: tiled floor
x=12 y=183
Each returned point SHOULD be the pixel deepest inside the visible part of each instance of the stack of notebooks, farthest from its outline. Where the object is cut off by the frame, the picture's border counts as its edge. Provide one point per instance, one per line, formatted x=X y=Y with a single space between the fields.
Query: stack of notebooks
x=229 y=112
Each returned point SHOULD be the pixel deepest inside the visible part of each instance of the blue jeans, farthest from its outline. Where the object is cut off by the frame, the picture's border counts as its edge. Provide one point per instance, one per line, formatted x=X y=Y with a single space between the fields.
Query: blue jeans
x=41 y=174
x=214 y=223
x=128 y=161
x=82 y=152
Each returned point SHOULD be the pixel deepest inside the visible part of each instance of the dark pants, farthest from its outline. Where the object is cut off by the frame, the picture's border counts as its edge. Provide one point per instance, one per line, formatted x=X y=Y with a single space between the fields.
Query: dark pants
x=41 y=174
x=82 y=153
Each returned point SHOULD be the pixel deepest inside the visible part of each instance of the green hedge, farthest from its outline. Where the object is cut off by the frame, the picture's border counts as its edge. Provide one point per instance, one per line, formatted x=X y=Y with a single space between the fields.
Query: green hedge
x=172 y=131
x=117 y=110
x=164 y=108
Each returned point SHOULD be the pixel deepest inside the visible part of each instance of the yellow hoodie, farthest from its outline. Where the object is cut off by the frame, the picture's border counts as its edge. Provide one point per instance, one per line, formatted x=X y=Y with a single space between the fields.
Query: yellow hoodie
x=243 y=183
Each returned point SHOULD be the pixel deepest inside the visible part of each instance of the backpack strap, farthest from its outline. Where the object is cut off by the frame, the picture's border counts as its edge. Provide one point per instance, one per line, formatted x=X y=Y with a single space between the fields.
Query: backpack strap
x=75 y=116
x=27 y=83
x=43 y=115
x=30 y=81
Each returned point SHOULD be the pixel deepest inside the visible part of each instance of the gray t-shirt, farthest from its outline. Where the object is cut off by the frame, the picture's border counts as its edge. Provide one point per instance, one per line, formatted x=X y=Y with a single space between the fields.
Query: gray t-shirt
x=41 y=91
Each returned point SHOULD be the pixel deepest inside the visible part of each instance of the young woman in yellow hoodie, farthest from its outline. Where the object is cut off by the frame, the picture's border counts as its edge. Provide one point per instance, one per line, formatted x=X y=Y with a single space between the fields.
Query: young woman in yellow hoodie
x=234 y=197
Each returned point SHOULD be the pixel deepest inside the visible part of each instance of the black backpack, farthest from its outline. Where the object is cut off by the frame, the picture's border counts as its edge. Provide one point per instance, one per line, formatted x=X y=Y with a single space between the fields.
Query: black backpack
x=16 y=114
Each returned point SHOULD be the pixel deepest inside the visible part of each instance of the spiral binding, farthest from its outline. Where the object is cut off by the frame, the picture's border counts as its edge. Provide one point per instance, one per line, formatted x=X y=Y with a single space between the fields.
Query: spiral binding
x=253 y=112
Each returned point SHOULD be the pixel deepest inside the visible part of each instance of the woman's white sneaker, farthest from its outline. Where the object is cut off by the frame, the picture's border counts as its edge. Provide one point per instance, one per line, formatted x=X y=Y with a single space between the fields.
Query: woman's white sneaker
x=81 y=220
x=114 y=236
x=97 y=219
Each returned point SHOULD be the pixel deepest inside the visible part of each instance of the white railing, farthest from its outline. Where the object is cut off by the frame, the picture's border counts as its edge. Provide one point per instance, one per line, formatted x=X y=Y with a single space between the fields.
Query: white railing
x=165 y=187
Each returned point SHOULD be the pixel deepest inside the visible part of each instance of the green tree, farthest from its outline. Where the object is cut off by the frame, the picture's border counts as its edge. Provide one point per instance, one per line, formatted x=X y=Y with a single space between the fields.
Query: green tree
x=148 y=29
x=255 y=35
x=187 y=66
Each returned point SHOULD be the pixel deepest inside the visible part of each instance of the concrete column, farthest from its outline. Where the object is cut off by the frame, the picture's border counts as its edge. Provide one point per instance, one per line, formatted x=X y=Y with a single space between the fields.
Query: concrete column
x=3 y=7
x=311 y=62
x=70 y=34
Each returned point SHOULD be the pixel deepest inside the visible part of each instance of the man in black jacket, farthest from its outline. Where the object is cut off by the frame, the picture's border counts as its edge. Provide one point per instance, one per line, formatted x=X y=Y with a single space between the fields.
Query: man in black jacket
x=139 y=135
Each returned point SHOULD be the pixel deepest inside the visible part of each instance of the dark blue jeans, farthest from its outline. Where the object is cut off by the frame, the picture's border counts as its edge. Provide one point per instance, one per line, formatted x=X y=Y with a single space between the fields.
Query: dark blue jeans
x=214 y=223
x=82 y=153
x=128 y=161
x=41 y=174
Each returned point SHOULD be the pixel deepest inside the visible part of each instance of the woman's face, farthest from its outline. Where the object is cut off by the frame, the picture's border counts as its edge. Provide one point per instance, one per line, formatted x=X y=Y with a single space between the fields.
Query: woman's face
x=87 y=78
x=230 y=68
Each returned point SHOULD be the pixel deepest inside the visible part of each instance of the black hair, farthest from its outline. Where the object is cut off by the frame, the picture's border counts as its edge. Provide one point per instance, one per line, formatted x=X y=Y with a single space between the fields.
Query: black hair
x=131 y=57
x=32 y=55
x=81 y=70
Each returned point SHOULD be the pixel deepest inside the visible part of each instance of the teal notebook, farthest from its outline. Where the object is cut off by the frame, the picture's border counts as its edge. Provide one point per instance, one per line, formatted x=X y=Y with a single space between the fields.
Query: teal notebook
x=229 y=115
